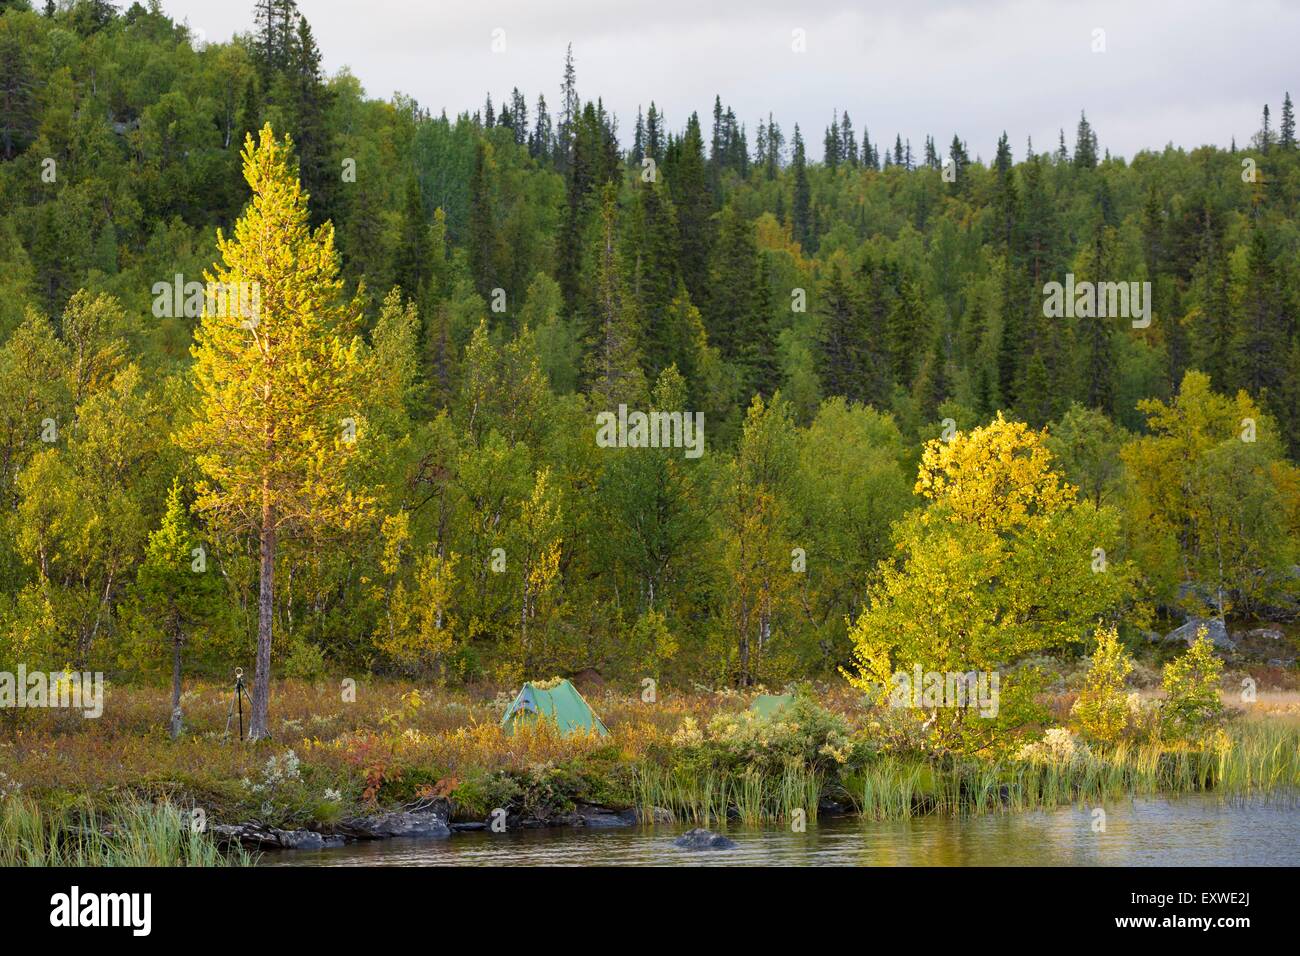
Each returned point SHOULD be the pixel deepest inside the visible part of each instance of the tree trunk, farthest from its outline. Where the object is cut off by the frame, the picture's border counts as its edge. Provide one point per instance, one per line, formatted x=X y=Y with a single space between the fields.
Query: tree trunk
x=265 y=603
x=176 y=686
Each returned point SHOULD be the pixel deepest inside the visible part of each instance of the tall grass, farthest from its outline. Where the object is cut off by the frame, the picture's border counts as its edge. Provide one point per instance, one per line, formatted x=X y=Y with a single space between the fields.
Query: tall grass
x=133 y=833
x=1260 y=758
x=713 y=797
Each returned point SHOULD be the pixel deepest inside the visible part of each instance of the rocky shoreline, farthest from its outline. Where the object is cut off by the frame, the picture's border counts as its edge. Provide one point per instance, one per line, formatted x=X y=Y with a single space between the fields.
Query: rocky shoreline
x=425 y=820
x=432 y=820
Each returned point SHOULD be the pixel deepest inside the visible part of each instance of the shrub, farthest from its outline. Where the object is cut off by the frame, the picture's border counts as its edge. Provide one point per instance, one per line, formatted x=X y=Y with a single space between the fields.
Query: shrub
x=1058 y=746
x=804 y=735
x=1102 y=709
x=306 y=661
x=1191 y=683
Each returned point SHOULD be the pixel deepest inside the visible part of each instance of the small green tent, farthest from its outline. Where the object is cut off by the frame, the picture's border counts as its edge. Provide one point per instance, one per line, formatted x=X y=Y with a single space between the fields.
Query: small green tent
x=561 y=703
x=769 y=705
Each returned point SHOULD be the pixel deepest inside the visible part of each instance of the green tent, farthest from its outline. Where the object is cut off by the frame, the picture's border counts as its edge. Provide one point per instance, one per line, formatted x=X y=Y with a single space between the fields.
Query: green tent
x=561 y=703
x=768 y=705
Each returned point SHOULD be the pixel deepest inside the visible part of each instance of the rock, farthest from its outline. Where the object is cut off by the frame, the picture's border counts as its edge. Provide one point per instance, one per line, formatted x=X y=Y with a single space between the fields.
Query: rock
x=255 y=836
x=1263 y=633
x=593 y=816
x=251 y=836
x=427 y=819
x=307 y=840
x=1281 y=661
x=400 y=823
x=1218 y=633
x=467 y=827
x=701 y=839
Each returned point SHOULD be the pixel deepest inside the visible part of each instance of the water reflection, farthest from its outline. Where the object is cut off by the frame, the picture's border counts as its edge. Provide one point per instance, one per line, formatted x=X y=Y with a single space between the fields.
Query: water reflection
x=1186 y=831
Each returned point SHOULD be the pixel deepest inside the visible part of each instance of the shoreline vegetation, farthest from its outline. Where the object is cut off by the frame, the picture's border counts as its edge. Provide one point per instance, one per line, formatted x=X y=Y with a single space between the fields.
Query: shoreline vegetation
x=120 y=791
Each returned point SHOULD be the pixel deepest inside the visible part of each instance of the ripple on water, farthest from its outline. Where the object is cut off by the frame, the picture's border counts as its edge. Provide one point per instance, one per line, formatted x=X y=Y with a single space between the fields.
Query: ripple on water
x=1198 y=830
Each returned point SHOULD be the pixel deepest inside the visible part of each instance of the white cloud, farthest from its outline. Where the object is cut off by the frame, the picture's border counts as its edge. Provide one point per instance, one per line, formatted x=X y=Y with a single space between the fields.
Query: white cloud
x=1187 y=72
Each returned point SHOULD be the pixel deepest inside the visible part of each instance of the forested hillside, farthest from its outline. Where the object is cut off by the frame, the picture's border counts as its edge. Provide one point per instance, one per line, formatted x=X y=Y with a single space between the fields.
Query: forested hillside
x=830 y=300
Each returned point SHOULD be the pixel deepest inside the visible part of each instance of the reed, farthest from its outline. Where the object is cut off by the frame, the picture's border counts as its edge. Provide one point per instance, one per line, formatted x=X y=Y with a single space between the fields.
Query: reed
x=133 y=833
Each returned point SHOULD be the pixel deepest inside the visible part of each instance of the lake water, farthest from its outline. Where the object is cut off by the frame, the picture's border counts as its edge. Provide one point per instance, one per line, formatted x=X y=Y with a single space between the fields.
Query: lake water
x=1197 y=830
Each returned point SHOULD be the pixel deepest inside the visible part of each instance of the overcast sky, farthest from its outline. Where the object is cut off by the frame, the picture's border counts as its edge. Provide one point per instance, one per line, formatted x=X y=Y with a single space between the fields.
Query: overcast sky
x=1187 y=72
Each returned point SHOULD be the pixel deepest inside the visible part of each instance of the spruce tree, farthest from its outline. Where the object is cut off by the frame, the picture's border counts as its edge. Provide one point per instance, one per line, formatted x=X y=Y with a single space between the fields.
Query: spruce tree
x=1286 y=132
x=801 y=202
x=689 y=184
x=730 y=308
x=1085 y=144
x=613 y=367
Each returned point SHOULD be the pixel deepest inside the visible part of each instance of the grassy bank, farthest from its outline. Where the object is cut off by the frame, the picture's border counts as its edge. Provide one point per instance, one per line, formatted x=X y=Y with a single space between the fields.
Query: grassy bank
x=128 y=833
x=118 y=789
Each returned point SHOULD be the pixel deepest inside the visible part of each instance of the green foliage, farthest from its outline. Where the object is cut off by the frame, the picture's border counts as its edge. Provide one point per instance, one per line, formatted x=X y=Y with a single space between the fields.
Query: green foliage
x=1191 y=684
x=1102 y=708
x=879 y=302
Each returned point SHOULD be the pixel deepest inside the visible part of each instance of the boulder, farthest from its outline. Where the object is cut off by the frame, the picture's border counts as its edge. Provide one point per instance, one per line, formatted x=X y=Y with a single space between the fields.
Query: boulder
x=701 y=839
x=592 y=816
x=1218 y=633
x=400 y=823
x=255 y=836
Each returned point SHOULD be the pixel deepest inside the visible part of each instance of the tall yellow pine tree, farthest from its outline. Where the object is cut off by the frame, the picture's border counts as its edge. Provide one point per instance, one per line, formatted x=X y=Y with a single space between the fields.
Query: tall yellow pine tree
x=278 y=383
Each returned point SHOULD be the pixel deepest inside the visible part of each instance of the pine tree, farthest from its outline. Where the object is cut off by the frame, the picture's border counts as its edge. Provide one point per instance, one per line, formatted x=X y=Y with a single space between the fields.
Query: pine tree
x=276 y=385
